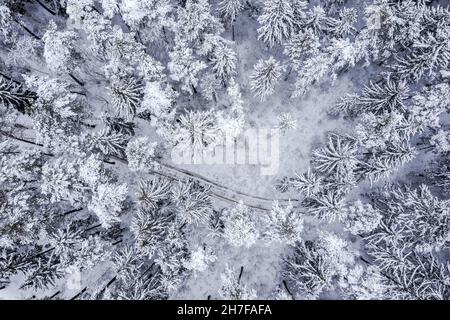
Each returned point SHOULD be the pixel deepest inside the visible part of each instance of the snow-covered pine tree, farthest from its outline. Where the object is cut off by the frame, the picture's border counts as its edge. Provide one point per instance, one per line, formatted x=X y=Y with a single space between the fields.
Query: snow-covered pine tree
x=107 y=202
x=338 y=156
x=315 y=266
x=376 y=97
x=223 y=62
x=192 y=201
x=195 y=19
x=42 y=275
x=107 y=142
x=232 y=288
x=153 y=193
x=327 y=205
x=195 y=133
x=200 y=259
x=60 y=51
x=308 y=270
x=307 y=184
x=343 y=25
x=150 y=227
x=240 y=226
x=265 y=76
x=283 y=224
x=229 y=10
x=277 y=21
x=361 y=218
x=141 y=154
x=301 y=45
x=184 y=67
x=126 y=95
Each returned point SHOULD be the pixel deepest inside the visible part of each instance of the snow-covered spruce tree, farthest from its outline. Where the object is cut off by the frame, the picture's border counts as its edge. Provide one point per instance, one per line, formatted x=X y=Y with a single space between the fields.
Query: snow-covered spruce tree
x=195 y=133
x=184 y=67
x=135 y=280
x=363 y=284
x=343 y=25
x=376 y=98
x=308 y=270
x=300 y=46
x=240 y=226
x=265 y=76
x=315 y=266
x=200 y=259
x=126 y=95
x=107 y=142
x=283 y=224
x=361 y=218
x=59 y=49
x=229 y=10
x=150 y=227
x=232 y=288
x=192 y=201
x=107 y=202
x=231 y=121
x=195 y=20
x=141 y=154
x=154 y=192
x=224 y=62
x=404 y=244
x=277 y=21
x=158 y=104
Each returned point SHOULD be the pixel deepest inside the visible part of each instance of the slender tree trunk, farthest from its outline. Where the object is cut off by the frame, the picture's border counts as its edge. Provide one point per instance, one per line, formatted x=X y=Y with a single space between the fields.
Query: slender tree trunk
x=46 y=8
x=72 y=211
x=232 y=31
x=28 y=30
x=288 y=74
x=76 y=80
x=287 y=289
x=78 y=294
x=240 y=274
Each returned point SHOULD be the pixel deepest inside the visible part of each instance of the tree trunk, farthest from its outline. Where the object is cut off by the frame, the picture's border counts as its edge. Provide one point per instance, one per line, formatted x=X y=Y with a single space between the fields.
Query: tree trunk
x=76 y=80
x=240 y=274
x=46 y=8
x=232 y=31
